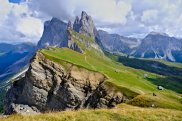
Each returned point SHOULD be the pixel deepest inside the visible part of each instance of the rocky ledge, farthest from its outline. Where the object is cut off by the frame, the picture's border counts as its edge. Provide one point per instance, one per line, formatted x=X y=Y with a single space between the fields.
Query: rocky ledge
x=48 y=86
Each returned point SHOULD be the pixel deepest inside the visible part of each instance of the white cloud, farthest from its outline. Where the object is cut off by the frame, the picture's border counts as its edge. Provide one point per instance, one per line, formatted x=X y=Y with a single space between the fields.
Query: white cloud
x=5 y=7
x=30 y=26
x=149 y=16
x=18 y=24
x=122 y=16
x=154 y=15
x=103 y=11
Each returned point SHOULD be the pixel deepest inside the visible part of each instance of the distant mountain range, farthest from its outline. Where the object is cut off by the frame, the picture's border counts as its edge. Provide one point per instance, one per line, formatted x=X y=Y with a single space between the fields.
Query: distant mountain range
x=14 y=57
x=162 y=46
x=154 y=45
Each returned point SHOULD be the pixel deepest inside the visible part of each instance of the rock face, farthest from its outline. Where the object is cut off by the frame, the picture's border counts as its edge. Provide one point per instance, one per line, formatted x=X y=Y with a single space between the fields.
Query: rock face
x=85 y=25
x=158 y=45
x=49 y=86
x=55 y=34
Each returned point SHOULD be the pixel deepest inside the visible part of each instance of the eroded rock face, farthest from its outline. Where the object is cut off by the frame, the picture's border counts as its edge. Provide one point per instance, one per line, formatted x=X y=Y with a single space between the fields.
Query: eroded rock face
x=49 y=86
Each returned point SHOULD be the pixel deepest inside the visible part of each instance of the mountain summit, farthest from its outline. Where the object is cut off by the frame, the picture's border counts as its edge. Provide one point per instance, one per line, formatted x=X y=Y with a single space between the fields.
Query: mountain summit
x=55 y=31
x=85 y=25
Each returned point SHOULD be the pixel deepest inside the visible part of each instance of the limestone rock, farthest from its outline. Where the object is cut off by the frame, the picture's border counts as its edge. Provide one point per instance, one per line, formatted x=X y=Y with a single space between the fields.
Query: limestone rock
x=49 y=86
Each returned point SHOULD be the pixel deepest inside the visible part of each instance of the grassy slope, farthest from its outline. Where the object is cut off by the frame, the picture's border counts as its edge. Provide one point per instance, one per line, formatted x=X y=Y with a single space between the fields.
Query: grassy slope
x=122 y=113
x=128 y=80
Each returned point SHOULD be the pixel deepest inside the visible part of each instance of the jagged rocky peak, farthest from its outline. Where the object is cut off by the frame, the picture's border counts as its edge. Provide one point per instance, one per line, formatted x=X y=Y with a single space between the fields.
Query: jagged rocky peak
x=54 y=34
x=55 y=31
x=48 y=86
x=85 y=25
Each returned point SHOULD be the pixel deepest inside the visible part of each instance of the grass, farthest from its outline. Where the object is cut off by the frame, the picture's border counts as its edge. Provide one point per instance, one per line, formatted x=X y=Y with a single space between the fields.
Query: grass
x=171 y=73
x=121 y=113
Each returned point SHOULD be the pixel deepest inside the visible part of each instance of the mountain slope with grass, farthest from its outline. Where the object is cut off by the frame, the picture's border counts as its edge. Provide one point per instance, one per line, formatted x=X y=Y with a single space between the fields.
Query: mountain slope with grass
x=122 y=77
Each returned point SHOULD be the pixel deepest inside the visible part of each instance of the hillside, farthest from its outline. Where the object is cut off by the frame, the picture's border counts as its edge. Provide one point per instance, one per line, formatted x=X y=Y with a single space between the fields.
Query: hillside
x=124 y=78
x=129 y=80
x=122 y=113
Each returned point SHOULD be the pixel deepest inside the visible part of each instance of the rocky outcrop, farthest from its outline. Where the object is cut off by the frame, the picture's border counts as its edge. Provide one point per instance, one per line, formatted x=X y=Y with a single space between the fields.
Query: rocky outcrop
x=85 y=25
x=72 y=44
x=49 y=86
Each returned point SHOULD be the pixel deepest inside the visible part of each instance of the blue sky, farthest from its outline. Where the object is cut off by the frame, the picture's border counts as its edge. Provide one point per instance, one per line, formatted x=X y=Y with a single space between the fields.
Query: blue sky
x=24 y=21
x=14 y=1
